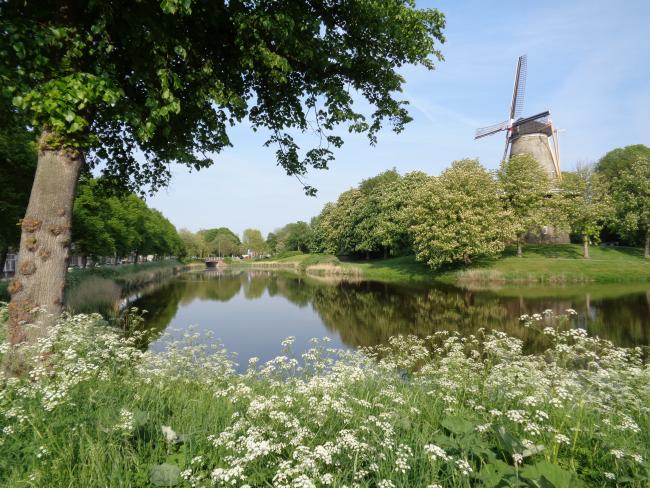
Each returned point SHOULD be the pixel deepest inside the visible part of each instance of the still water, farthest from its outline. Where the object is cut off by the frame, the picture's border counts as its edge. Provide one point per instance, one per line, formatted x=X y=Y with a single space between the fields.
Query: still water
x=251 y=312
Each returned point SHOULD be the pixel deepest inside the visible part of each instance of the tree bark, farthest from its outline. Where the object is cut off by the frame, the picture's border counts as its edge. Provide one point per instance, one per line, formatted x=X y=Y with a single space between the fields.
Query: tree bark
x=84 y=261
x=585 y=247
x=37 y=288
x=646 y=249
x=3 y=259
x=520 y=251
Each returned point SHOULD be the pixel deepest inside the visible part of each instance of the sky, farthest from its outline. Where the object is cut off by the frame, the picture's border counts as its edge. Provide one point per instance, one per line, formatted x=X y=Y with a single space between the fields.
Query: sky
x=588 y=63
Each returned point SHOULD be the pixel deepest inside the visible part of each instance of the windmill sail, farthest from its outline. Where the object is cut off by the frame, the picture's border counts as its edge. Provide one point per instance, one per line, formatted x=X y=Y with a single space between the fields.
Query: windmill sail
x=491 y=129
x=519 y=90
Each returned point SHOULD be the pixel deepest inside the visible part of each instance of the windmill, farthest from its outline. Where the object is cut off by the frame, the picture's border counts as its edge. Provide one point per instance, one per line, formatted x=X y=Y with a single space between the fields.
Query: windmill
x=529 y=135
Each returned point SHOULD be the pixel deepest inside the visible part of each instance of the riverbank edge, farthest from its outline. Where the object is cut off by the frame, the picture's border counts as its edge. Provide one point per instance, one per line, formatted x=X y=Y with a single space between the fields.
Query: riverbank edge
x=541 y=265
x=127 y=276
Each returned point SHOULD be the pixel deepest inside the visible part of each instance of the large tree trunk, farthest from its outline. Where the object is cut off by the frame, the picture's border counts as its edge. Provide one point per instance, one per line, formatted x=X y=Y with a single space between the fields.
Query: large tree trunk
x=3 y=259
x=646 y=249
x=520 y=251
x=44 y=249
x=585 y=247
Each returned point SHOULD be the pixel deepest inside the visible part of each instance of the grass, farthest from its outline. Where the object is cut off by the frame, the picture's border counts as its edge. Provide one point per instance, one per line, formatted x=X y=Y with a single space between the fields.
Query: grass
x=541 y=264
x=560 y=264
x=442 y=411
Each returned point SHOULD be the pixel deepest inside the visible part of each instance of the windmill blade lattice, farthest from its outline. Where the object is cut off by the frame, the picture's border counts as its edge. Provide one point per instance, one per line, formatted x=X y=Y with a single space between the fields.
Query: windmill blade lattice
x=519 y=90
x=491 y=129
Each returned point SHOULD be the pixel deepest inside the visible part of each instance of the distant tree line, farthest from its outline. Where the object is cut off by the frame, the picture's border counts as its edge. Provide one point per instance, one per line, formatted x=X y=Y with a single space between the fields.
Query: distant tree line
x=119 y=225
x=468 y=212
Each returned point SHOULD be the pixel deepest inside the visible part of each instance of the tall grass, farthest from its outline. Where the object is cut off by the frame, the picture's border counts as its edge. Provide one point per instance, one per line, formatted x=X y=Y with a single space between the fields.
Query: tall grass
x=128 y=276
x=444 y=410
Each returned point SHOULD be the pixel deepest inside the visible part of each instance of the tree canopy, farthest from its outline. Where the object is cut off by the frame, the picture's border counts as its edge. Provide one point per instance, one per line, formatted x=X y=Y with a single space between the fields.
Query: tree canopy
x=18 y=163
x=108 y=225
x=459 y=216
x=621 y=158
x=221 y=241
x=526 y=186
x=253 y=241
x=631 y=196
x=586 y=204
x=167 y=79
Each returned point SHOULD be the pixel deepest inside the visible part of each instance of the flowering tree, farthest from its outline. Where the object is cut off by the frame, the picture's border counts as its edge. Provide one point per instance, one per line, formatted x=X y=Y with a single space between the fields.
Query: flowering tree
x=525 y=186
x=459 y=216
x=585 y=204
x=631 y=195
x=106 y=81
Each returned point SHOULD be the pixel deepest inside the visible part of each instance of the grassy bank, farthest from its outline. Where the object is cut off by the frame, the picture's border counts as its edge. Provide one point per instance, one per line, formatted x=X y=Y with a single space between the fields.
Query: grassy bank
x=541 y=264
x=445 y=411
x=560 y=264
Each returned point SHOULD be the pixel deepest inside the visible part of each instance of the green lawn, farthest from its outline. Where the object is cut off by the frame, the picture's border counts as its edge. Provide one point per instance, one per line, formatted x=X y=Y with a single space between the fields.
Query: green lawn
x=560 y=264
x=541 y=264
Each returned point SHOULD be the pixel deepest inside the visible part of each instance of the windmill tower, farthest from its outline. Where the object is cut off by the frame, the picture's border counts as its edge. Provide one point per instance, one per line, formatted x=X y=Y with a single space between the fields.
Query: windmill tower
x=533 y=135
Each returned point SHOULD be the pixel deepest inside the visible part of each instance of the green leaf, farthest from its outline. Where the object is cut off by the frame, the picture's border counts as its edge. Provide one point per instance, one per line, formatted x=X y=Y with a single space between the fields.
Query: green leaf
x=458 y=425
x=551 y=475
x=507 y=441
x=495 y=474
x=165 y=475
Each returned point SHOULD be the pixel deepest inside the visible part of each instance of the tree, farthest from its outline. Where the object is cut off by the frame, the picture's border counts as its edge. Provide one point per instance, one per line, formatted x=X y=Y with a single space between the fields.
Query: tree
x=272 y=242
x=619 y=159
x=221 y=241
x=631 y=195
x=393 y=229
x=18 y=163
x=339 y=224
x=585 y=204
x=252 y=240
x=296 y=236
x=92 y=235
x=104 y=81
x=525 y=185
x=193 y=243
x=459 y=216
x=370 y=215
x=105 y=223
x=370 y=219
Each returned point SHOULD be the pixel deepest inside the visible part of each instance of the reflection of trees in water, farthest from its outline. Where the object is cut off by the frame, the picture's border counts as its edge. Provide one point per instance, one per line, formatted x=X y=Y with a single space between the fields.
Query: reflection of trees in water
x=368 y=313
x=624 y=320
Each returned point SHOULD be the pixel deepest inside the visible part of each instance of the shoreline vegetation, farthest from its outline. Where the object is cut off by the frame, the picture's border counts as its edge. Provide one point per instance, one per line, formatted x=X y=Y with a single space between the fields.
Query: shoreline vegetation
x=100 y=288
x=440 y=411
x=556 y=264
x=112 y=281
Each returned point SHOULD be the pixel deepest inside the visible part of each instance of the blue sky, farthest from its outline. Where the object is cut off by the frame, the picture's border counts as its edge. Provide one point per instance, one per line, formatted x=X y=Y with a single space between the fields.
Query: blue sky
x=588 y=62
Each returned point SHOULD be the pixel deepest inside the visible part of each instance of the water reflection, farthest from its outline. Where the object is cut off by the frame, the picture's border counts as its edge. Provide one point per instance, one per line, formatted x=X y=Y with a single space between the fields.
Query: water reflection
x=252 y=311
